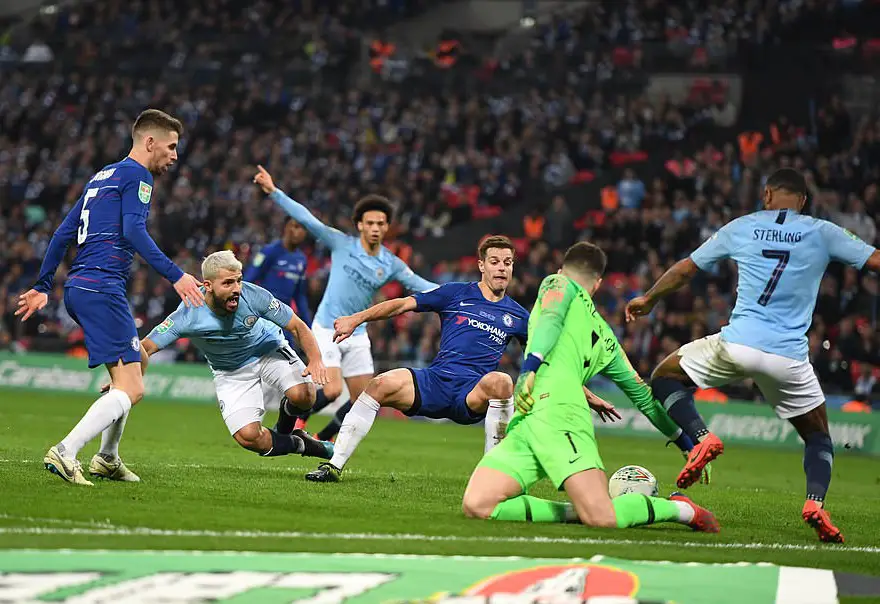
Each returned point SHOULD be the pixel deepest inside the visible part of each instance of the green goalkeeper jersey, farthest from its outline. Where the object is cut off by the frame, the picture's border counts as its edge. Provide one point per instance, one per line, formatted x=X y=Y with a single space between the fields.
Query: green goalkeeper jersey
x=576 y=343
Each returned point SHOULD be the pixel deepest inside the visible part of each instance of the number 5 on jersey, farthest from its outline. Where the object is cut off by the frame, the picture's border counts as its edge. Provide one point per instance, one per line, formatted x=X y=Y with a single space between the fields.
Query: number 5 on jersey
x=83 y=231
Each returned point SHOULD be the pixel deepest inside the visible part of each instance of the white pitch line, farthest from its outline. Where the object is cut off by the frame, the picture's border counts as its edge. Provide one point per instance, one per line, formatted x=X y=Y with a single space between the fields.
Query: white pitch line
x=153 y=532
x=88 y=523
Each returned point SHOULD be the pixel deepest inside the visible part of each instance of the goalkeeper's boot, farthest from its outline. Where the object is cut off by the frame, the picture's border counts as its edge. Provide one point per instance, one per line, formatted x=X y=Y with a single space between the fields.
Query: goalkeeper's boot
x=703 y=520
x=818 y=518
x=702 y=453
x=313 y=446
x=326 y=472
x=111 y=469
x=67 y=468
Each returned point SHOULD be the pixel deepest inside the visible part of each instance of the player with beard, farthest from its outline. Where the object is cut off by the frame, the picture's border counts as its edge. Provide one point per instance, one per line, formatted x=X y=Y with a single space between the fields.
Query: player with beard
x=239 y=332
x=462 y=383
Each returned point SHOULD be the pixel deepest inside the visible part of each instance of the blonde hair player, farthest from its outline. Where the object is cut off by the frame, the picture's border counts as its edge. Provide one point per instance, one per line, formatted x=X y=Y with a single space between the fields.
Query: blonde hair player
x=239 y=330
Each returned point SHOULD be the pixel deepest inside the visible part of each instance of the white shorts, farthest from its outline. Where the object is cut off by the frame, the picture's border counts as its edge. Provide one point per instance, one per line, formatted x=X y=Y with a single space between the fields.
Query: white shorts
x=789 y=385
x=243 y=393
x=353 y=356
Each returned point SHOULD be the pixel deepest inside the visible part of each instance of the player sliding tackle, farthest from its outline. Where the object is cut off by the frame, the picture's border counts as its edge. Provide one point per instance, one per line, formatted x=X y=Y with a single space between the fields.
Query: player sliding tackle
x=238 y=332
x=551 y=434
x=462 y=384
x=781 y=256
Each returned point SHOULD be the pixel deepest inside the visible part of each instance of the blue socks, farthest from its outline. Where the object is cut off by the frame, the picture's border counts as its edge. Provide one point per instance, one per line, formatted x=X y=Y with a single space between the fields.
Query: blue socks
x=684 y=442
x=284 y=444
x=818 y=460
x=678 y=400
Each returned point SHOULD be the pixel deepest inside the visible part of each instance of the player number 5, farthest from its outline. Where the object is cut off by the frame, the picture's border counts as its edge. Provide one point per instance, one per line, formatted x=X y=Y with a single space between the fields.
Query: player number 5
x=781 y=257
x=83 y=231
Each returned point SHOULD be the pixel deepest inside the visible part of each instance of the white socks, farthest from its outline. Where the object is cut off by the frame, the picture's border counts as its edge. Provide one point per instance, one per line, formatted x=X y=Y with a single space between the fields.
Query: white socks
x=111 y=436
x=103 y=412
x=497 y=417
x=357 y=423
x=685 y=512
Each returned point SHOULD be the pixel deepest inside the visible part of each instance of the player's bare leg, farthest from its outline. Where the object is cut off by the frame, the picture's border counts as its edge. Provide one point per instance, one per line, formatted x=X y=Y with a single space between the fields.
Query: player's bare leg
x=127 y=389
x=675 y=390
x=394 y=389
x=486 y=489
x=493 y=397
x=328 y=393
x=818 y=461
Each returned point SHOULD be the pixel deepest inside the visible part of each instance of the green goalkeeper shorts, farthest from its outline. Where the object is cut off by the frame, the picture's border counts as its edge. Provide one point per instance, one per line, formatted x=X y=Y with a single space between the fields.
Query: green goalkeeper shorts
x=536 y=449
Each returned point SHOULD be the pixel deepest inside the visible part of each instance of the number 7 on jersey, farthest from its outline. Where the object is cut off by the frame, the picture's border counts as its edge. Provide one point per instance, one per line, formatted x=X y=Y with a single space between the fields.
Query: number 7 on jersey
x=781 y=257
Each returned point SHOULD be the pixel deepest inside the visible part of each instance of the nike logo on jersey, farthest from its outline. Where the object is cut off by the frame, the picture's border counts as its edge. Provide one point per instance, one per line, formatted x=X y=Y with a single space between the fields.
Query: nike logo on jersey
x=464 y=304
x=574 y=459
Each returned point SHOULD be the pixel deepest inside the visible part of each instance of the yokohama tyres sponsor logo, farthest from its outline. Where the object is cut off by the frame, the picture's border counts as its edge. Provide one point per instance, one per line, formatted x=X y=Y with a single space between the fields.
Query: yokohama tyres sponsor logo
x=497 y=334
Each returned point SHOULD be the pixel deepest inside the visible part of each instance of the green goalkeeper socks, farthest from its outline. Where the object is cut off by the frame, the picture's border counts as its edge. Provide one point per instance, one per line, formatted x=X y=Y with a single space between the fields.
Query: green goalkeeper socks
x=526 y=508
x=634 y=509
x=631 y=510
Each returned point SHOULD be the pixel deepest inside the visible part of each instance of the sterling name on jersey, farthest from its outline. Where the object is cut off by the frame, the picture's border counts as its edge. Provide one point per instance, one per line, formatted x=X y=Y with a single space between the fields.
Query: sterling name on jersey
x=355 y=275
x=474 y=332
x=781 y=256
x=230 y=341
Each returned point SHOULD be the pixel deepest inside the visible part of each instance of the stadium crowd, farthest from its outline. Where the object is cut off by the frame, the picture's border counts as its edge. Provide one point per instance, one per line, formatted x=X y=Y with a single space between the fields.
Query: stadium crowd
x=521 y=139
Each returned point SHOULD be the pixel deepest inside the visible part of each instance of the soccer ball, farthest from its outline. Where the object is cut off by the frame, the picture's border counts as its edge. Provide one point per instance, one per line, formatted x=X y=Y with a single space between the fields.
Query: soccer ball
x=632 y=479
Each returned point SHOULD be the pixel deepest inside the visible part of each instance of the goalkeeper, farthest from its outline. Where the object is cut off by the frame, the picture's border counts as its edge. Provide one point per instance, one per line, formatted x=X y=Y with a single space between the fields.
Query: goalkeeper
x=551 y=434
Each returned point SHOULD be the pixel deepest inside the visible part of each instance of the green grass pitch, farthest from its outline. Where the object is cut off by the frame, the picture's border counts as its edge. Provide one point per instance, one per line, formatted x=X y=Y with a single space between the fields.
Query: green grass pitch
x=401 y=494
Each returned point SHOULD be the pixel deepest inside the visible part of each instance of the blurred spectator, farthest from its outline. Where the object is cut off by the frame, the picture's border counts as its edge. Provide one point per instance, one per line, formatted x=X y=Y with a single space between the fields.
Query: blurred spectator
x=558 y=230
x=630 y=190
x=446 y=146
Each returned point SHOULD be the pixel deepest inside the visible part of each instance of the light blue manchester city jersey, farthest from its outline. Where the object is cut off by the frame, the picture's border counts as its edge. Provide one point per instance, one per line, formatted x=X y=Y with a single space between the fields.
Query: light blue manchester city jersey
x=355 y=275
x=231 y=341
x=781 y=256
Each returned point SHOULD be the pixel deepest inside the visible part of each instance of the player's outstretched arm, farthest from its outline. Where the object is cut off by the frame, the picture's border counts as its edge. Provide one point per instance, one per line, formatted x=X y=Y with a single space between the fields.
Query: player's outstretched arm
x=605 y=410
x=344 y=326
x=35 y=299
x=621 y=372
x=715 y=248
x=134 y=229
x=411 y=281
x=873 y=262
x=166 y=333
x=327 y=235
x=676 y=277
x=309 y=344
x=554 y=298
x=847 y=248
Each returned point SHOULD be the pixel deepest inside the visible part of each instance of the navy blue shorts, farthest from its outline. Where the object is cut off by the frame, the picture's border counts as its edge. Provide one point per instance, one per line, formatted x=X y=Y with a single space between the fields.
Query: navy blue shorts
x=441 y=395
x=109 y=328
